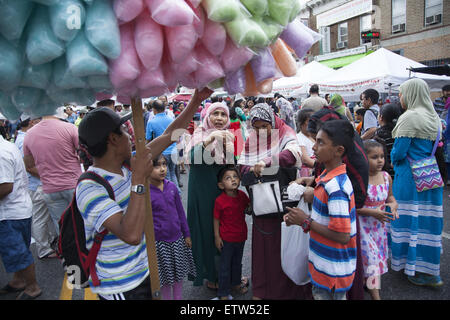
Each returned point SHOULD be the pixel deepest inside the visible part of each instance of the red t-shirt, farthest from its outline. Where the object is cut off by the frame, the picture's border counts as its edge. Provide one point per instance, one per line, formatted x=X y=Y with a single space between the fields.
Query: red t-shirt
x=230 y=212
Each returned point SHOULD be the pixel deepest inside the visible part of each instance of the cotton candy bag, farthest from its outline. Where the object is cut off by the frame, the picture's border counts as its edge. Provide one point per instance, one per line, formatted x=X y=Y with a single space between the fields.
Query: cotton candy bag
x=126 y=67
x=62 y=77
x=233 y=58
x=47 y=2
x=180 y=41
x=299 y=39
x=25 y=98
x=284 y=59
x=67 y=18
x=214 y=37
x=209 y=68
x=256 y=7
x=171 y=13
x=7 y=108
x=102 y=29
x=37 y=76
x=149 y=40
x=15 y=14
x=263 y=65
x=222 y=11
x=10 y=65
x=127 y=10
x=235 y=81
x=246 y=32
x=83 y=59
x=42 y=45
x=280 y=10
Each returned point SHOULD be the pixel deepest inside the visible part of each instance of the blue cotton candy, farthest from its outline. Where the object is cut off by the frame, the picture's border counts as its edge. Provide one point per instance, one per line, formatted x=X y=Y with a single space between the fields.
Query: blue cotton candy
x=47 y=2
x=75 y=96
x=67 y=18
x=63 y=78
x=26 y=98
x=99 y=82
x=37 y=76
x=15 y=14
x=102 y=29
x=45 y=107
x=10 y=65
x=83 y=59
x=42 y=44
x=7 y=108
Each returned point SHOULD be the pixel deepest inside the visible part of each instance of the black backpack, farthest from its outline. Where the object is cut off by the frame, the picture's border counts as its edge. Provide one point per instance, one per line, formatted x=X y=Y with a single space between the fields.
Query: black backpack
x=78 y=261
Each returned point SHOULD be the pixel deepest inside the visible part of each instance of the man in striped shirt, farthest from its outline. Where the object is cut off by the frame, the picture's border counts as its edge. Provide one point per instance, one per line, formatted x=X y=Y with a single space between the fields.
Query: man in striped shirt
x=122 y=262
x=332 y=225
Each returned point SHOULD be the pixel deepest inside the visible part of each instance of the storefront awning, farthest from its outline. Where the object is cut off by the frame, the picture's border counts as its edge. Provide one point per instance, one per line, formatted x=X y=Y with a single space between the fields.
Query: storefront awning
x=343 y=61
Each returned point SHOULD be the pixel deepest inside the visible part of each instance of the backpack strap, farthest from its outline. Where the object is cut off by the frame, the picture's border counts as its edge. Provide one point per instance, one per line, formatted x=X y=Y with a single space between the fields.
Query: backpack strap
x=98 y=237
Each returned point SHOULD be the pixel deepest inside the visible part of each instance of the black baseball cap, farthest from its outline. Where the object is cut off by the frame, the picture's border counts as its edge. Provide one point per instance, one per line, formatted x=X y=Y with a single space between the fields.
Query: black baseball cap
x=98 y=124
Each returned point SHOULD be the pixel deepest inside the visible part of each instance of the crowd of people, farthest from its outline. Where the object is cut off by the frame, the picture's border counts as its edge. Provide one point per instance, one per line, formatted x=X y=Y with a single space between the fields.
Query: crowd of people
x=365 y=209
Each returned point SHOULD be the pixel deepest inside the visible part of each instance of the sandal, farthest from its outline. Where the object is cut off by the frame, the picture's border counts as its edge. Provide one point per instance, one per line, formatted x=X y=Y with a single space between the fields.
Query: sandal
x=25 y=296
x=212 y=285
x=243 y=287
x=51 y=255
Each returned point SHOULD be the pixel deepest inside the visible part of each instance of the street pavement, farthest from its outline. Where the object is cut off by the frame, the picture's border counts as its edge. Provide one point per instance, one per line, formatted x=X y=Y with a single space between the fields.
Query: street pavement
x=394 y=285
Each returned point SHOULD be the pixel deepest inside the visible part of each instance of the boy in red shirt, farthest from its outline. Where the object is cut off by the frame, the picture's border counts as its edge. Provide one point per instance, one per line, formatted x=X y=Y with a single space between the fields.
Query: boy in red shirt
x=230 y=231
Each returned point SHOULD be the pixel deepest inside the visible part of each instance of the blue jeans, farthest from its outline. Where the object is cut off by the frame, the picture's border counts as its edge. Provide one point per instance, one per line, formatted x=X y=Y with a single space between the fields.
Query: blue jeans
x=230 y=269
x=171 y=165
x=57 y=202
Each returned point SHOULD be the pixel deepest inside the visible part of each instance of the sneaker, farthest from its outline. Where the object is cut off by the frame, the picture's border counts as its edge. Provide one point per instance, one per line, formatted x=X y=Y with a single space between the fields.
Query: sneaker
x=421 y=279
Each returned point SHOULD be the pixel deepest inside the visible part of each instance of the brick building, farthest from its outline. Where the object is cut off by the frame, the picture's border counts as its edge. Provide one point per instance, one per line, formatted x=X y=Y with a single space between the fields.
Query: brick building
x=416 y=29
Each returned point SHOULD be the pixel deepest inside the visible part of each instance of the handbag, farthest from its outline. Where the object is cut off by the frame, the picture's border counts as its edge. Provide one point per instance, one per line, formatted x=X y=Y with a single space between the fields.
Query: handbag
x=267 y=193
x=426 y=171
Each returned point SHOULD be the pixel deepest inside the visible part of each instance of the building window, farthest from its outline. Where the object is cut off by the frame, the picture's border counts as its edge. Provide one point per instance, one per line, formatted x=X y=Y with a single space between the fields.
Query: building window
x=342 y=35
x=398 y=15
x=433 y=12
x=365 y=23
x=325 y=41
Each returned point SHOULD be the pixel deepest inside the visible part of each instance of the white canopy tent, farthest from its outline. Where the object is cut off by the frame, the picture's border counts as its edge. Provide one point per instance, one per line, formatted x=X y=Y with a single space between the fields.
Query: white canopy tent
x=300 y=83
x=382 y=70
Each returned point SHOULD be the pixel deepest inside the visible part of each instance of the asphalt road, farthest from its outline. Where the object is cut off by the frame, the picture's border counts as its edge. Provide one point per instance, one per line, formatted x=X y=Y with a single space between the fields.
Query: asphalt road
x=394 y=285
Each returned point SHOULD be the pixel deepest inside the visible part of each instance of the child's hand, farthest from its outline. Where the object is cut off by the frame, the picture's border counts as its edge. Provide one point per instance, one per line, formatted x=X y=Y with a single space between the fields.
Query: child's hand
x=219 y=243
x=394 y=207
x=382 y=215
x=295 y=216
x=188 y=242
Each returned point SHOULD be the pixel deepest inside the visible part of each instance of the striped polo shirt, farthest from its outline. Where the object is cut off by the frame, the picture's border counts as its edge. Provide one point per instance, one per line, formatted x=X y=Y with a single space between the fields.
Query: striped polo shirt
x=120 y=267
x=331 y=264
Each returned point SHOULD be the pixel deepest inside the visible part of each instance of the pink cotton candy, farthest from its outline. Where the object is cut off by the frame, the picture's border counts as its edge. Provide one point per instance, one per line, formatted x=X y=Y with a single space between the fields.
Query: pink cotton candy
x=180 y=41
x=149 y=40
x=209 y=68
x=170 y=76
x=188 y=65
x=124 y=99
x=171 y=13
x=195 y=3
x=127 y=10
x=214 y=37
x=150 y=79
x=126 y=67
x=233 y=58
x=200 y=19
x=99 y=96
x=188 y=80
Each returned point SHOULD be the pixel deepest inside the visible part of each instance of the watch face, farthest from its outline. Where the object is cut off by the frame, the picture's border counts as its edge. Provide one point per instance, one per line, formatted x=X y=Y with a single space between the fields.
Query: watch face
x=140 y=189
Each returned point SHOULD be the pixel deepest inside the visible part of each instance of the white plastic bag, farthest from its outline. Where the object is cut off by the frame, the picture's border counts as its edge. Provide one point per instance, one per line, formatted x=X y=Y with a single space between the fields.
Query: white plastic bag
x=295 y=243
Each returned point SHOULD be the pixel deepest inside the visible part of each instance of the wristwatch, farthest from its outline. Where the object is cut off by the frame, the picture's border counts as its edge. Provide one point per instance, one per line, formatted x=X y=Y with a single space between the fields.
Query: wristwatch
x=306 y=225
x=138 y=188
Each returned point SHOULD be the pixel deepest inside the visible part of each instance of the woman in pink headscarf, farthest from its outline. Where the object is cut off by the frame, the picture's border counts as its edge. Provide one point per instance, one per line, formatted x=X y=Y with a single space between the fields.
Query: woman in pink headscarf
x=210 y=148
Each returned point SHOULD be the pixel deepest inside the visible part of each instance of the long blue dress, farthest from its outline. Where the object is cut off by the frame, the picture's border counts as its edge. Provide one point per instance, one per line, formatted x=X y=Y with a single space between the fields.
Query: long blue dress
x=416 y=237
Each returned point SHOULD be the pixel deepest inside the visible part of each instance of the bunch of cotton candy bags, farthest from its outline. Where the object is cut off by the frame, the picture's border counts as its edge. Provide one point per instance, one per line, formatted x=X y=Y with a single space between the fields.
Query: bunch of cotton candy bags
x=76 y=51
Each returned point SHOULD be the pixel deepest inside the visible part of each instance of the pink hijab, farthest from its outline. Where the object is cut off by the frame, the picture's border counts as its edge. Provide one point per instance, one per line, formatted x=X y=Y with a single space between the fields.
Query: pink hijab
x=202 y=132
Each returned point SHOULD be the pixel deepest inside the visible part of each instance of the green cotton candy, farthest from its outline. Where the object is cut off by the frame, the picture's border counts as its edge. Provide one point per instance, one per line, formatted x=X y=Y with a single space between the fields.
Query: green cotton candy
x=220 y=10
x=271 y=28
x=256 y=7
x=281 y=10
x=246 y=32
x=295 y=10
